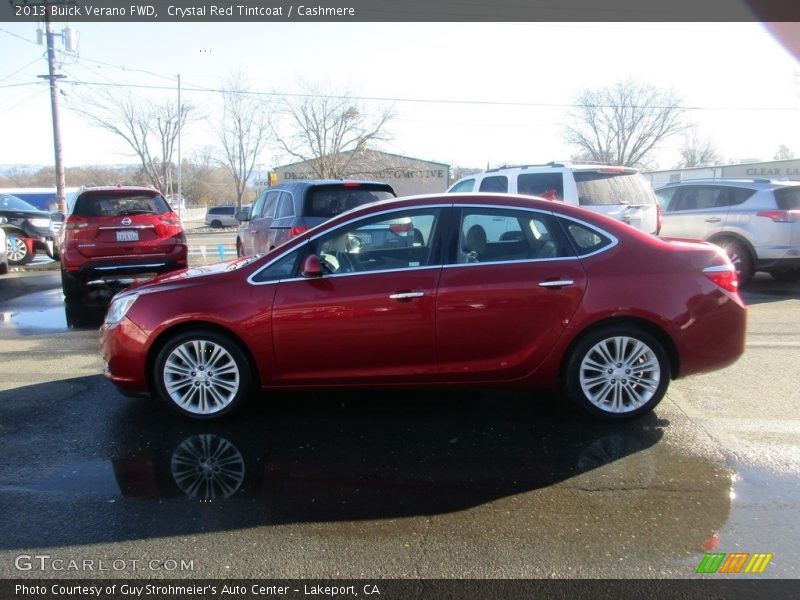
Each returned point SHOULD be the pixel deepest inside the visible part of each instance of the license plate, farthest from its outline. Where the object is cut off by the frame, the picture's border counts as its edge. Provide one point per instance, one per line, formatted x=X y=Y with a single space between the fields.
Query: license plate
x=127 y=236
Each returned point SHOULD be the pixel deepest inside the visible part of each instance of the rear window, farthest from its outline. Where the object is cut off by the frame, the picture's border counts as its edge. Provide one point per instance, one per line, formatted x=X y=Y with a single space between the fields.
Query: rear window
x=115 y=204
x=597 y=189
x=327 y=202
x=495 y=183
x=788 y=198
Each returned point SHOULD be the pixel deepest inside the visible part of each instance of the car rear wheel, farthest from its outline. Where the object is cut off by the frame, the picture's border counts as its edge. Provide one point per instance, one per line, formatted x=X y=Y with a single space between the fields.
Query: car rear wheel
x=740 y=257
x=70 y=285
x=617 y=373
x=202 y=374
x=18 y=253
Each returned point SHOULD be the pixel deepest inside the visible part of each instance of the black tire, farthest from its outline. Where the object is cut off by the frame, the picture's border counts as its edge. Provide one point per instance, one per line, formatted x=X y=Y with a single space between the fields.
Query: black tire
x=632 y=393
x=793 y=275
x=216 y=224
x=18 y=250
x=740 y=257
x=71 y=285
x=196 y=382
x=3 y=268
x=239 y=249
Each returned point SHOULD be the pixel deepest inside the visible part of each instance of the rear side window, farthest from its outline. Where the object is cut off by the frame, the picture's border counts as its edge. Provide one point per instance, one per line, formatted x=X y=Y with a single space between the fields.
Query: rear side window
x=495 y=183
x=546 y=185
x=120 y=204
x=598 y=189
x=704 y=197
x=586 y=240
x=788 y=198
x=285 y=208
x=327 y=202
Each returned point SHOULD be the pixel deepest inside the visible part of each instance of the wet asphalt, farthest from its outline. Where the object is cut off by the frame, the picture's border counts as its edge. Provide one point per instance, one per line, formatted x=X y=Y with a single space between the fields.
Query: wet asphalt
x=468 y=483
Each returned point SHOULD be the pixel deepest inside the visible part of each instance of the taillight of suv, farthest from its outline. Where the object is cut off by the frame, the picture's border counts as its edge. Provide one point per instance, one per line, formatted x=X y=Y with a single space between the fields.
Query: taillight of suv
x=781 y=216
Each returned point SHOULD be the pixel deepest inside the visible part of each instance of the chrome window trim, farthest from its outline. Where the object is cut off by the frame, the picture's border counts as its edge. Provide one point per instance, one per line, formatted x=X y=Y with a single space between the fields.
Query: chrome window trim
x=614 y=242
x=321 y=233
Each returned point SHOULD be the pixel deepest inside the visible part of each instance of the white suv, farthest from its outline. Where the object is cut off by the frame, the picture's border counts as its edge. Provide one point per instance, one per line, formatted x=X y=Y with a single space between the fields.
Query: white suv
x=619 y=192
x=756 y=221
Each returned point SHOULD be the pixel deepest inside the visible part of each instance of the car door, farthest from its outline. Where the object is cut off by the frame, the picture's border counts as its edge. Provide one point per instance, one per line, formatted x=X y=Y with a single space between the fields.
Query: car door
x=280 y=228
x=696 y=211
x=508 y=294
x=247 y=227
x=370 y=317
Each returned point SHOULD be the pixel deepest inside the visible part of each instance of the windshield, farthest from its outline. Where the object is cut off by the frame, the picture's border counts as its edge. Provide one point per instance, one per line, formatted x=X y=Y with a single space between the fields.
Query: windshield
x=596 y=188
x=8 y=202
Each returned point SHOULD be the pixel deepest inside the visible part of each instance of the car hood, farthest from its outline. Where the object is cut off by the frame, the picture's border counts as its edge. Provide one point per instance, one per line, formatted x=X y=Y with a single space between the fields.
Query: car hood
x=190 y=276
x=24 y=214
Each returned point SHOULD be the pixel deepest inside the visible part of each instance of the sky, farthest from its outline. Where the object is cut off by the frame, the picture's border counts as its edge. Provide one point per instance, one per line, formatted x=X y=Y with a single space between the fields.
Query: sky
x=742 y=85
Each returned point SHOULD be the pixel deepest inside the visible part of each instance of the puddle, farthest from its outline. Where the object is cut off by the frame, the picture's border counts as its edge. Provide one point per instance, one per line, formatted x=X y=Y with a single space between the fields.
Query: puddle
x=53 y=320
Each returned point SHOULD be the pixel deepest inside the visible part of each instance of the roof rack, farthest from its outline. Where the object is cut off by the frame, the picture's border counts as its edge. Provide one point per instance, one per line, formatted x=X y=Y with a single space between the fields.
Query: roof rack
x=550 y=164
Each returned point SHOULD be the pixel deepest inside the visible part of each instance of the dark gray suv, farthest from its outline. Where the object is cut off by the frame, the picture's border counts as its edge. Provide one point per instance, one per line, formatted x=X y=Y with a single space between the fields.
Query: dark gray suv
x=288 y=209
x=756 y=221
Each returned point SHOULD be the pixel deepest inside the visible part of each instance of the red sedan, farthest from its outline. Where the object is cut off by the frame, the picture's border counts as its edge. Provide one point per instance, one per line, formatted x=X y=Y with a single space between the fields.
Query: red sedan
x=456 y=290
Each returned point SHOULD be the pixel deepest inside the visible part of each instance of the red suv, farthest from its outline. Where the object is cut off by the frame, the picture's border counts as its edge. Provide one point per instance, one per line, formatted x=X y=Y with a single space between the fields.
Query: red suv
x=114 y=232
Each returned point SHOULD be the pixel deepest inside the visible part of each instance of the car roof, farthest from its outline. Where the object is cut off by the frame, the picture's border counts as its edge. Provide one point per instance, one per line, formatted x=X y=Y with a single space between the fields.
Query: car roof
x=758 y=182
x=119 y=188
x=308 y=183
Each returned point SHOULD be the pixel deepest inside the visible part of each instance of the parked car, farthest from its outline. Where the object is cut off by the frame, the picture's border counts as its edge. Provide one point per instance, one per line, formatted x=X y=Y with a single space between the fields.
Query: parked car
x=500 y=291
x=118 y=232
x=618 y=192
x=27 y=230
x=223 y=215
x=756 y=221
x=286 y=210
x=3 y=252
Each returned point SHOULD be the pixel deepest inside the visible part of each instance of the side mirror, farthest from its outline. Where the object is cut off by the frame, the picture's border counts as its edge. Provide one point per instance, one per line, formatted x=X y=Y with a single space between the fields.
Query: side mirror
x=311 y=267
x=57 y=217
x=243 y=215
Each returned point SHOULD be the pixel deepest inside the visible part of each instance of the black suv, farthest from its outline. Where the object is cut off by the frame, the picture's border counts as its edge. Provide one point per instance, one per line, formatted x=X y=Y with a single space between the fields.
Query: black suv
x=27 y=229
x=288 y=209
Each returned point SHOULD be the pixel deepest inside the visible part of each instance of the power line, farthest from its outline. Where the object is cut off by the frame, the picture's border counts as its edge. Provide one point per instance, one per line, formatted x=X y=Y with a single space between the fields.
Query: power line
x=7 y=77
x=424 y=100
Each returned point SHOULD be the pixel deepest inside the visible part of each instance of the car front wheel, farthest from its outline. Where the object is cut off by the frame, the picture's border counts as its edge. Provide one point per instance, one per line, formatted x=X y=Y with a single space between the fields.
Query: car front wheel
x=202 y=374
x=617 y=373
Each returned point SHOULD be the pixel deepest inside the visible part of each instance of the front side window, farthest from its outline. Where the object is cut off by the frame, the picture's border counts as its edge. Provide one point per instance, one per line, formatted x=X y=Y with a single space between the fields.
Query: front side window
x=505 y=235
x=463 y=186
x=255 y=210
x=283 y=268
x=401 y=240
x=270 y=204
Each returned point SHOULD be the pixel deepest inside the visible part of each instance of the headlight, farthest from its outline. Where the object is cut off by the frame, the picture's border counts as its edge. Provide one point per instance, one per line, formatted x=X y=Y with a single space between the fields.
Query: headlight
x=119 y=308
x=40 y=222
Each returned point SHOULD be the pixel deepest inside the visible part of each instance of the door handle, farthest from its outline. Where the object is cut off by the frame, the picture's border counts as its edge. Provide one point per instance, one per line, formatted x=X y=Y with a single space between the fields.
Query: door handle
x=406 y=295
x=713 y=220
x=556 y=283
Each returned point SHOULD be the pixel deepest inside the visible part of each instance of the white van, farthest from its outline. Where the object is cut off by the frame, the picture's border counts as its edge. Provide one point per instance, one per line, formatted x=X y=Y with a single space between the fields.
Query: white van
x=618 y=192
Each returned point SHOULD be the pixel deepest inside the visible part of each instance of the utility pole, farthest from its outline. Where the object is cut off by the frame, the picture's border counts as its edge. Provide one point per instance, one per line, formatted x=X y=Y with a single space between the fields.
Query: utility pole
x=180 y=121
x=61 y=200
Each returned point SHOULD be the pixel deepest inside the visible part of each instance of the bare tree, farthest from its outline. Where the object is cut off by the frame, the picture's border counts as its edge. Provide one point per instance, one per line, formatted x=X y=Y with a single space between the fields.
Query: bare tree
x=784 y=153
x=329 y=131
x=243 y=132
x=149 y=129
x=623 y=123
x=696 y=151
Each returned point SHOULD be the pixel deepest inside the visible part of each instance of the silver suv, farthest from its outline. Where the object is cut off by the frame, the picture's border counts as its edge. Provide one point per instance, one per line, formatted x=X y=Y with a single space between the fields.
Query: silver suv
x=618 y=192
x=756 y=221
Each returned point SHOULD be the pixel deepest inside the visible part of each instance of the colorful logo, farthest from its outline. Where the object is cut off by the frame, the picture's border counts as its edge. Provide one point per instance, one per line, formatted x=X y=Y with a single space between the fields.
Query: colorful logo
x=735 y=562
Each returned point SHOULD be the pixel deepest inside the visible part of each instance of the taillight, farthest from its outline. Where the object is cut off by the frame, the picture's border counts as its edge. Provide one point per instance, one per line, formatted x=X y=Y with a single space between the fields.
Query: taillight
x=74 y=222
x=659 y=218
x=297 y=230
x=781 y=216
x=401 y=227
x=351 y=184
x=724 y=276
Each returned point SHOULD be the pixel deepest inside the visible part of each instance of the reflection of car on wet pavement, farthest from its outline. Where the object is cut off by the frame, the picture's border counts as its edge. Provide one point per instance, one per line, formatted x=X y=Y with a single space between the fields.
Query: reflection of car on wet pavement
x=27 y=230
x=575 y=298
x=113 y=233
